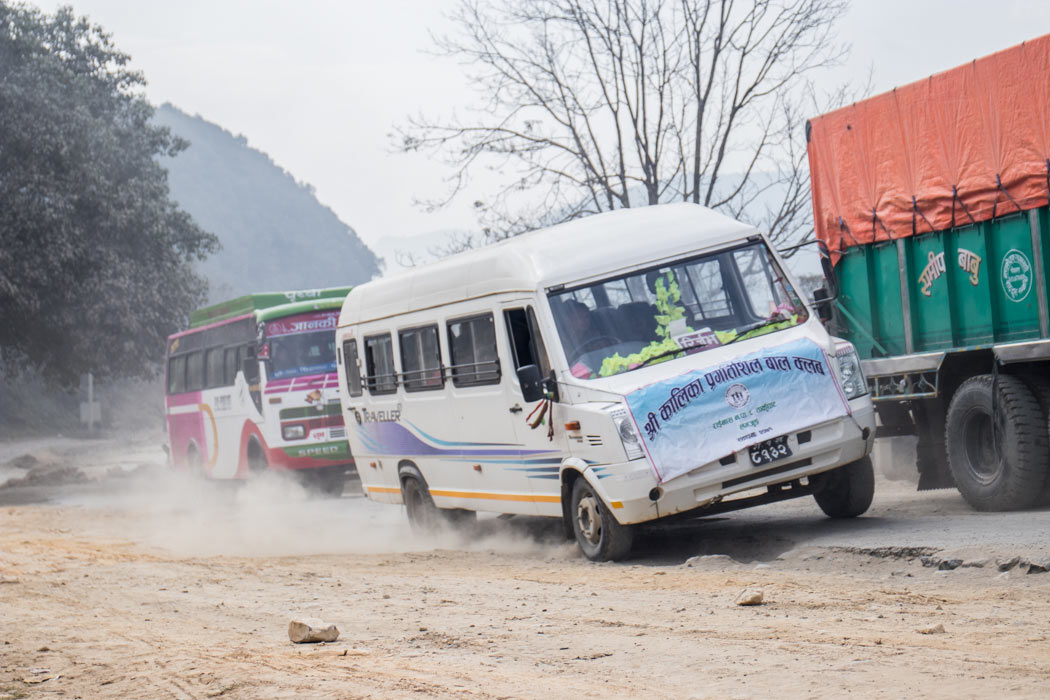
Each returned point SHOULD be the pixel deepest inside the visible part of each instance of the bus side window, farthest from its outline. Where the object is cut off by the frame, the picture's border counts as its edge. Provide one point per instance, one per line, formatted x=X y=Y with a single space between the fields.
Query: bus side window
x=195 y=371
x=229 y=372
x=353 y=369
x=213 y=368
x=421 y=358
x=526 y=340
x=472 y=351
x=177 y=374
x=381 y=377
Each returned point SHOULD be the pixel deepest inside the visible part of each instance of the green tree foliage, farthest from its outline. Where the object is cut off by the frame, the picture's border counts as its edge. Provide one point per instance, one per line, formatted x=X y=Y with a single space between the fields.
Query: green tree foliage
x=95 y=259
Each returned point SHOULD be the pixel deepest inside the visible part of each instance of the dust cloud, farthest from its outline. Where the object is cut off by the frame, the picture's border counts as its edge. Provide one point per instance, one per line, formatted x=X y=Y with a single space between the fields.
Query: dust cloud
x=273 y=515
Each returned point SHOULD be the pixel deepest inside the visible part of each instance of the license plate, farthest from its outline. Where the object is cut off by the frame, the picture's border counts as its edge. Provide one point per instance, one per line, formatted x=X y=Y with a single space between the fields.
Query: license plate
x=769 y=450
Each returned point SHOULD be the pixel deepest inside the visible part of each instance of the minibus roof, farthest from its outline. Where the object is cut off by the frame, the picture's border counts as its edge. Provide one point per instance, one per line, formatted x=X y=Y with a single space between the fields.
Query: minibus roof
x=597 y=245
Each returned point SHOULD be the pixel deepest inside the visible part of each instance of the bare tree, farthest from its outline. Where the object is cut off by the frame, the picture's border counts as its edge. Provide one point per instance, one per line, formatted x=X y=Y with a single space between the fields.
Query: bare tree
x=594 y=105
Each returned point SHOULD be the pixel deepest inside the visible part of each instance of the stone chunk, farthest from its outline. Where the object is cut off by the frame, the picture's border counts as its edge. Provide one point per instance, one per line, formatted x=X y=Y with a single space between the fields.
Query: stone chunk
x=309 y=630
x=936 y=629
x=750 y=596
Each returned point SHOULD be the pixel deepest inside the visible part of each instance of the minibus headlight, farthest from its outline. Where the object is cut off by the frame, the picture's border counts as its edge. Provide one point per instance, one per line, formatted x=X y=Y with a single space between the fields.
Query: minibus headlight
x=293 y=432
x=632 y=444
x=853 y=382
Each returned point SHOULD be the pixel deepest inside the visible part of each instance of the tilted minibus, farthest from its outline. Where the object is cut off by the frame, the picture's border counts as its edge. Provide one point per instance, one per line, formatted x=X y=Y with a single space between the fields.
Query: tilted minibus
x=251 y=387
x=626 y=367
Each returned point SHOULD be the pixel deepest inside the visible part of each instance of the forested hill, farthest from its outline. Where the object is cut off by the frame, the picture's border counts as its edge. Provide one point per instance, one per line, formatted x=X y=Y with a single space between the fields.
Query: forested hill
x=275 y=234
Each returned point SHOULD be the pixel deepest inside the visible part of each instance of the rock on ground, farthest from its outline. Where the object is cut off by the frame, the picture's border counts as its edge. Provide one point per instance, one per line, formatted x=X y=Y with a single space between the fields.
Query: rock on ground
x=751 y=596
x=307 y=630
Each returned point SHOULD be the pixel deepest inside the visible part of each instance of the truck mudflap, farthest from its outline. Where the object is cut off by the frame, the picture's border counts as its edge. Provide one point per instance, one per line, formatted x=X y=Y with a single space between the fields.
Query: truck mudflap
x=931 y=455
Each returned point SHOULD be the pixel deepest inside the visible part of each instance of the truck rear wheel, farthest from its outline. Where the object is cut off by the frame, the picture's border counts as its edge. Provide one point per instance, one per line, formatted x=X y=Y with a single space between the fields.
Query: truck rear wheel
x=845 y=492
x=1040 y=386
x=599 y=535
x=997 y=442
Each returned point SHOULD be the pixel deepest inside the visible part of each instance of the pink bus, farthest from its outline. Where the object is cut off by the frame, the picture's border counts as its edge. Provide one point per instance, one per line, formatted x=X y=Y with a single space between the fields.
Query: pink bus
x=252 y=386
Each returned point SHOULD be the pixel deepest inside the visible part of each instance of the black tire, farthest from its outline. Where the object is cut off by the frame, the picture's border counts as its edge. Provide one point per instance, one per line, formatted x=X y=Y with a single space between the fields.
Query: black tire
x=847 y=491
x=424 y=517
x=1040 y=386
x=599 y=535
x=194 y=463
x=256 y=458
x=998 y=460
x=326 y=482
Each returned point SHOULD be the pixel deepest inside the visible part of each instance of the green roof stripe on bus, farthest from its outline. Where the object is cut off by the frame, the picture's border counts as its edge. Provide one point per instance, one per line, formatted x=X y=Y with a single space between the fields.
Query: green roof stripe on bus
x=272 y=304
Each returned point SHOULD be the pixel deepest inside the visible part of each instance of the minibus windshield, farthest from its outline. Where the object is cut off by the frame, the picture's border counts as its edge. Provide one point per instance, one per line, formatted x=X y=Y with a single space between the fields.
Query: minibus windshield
x=666 y=312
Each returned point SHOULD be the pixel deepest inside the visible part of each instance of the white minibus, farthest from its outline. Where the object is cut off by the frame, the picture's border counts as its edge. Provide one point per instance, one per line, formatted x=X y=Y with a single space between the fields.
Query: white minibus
x=618 y=369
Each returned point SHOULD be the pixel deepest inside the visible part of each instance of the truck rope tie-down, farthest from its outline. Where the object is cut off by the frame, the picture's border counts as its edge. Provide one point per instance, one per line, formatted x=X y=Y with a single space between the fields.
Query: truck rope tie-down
x=995 y=203
x=915 y=210
x=957 y=198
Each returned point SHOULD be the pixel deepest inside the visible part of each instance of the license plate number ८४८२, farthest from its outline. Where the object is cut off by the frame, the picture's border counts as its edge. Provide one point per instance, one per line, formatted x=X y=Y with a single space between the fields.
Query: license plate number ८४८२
x=769 y=450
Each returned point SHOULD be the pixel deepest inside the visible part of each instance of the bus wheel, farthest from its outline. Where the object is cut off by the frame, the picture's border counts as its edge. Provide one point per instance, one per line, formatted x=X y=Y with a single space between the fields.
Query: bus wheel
x=194 y=463
x=599 y=535
x=256 y=458
x=325 y=481
x=997 y=443
x=845 y=492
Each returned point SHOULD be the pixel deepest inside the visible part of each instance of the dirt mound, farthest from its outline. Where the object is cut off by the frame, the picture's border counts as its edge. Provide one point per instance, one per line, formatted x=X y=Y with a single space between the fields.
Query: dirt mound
x=41 y=473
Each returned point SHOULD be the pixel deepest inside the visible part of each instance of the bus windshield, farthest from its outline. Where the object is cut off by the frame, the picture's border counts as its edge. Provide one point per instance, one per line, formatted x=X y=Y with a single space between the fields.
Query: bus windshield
x=672 y=310
x=301 y=345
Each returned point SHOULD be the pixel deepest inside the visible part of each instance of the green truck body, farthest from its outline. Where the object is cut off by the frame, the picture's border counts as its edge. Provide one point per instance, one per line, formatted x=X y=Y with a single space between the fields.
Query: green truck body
x=954 y=290
x=931 y=205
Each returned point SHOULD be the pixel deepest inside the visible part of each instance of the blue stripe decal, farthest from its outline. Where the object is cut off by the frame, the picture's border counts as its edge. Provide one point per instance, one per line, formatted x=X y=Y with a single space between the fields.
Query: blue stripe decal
x=448 y=443
x=394 y=439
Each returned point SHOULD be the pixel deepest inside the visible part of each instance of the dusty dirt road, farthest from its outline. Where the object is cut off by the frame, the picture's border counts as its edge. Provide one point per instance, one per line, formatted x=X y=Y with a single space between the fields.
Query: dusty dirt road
x=148 y=586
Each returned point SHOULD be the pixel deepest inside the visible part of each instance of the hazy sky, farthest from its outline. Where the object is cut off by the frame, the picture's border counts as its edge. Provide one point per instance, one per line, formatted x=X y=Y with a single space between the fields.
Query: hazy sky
x=318 y=84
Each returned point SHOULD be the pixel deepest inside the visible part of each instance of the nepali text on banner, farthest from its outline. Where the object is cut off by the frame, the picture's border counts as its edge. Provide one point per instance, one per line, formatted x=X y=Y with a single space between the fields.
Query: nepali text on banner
x=706 y=414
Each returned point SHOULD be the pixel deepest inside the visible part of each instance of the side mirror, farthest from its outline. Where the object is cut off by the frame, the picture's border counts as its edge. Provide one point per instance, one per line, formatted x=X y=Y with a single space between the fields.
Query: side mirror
x=531 y=382
x=822 y=301
x=250 y=367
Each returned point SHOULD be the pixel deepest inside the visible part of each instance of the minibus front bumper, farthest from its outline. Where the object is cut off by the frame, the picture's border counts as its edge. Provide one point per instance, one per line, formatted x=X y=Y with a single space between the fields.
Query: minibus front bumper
x=634 y=496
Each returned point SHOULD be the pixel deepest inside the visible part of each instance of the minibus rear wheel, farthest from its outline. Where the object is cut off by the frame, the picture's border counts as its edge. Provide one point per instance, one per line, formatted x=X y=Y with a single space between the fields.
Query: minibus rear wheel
x=599 y=535
x=424 y=517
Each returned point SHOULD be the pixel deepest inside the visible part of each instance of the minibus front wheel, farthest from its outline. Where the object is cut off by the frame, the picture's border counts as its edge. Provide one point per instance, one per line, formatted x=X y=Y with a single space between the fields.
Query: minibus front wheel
x=599 y=535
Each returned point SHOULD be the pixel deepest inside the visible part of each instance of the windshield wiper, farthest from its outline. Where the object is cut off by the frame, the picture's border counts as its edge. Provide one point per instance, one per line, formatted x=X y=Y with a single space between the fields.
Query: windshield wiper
x=754 y=327
x=654 y=358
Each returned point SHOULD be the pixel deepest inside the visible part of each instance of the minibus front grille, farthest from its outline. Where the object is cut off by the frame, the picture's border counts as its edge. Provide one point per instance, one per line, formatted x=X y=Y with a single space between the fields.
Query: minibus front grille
x=594 y=440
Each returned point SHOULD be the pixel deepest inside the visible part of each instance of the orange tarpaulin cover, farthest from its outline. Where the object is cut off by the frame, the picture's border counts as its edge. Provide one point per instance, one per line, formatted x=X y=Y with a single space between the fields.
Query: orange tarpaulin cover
x=965 y=145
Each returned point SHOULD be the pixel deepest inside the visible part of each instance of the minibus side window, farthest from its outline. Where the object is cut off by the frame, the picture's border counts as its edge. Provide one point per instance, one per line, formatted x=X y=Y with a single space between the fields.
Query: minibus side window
x=353 y=369
x=177 y=374
x=526 y=340
x=421 y=359
x=379 y=364
x=213 y=368
x=472 y=350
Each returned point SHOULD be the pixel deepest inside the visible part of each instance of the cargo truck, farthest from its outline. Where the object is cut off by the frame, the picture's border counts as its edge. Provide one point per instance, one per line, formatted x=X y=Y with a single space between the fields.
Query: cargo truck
x=930 y=204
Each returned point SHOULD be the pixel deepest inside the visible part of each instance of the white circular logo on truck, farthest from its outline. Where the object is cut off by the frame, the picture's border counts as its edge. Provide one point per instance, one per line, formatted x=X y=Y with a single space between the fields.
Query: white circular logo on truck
x=1017 y=275
x=737 y=396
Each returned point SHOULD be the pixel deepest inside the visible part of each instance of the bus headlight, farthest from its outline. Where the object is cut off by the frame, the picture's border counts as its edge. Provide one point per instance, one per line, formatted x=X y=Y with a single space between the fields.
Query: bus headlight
x=632 y=444
x=853 y=382
x=293 y=432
